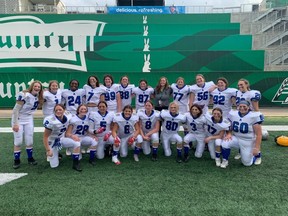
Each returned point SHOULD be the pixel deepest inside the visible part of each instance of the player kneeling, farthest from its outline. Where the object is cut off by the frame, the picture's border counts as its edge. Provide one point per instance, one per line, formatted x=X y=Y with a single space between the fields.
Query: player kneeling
x=125 y=132
x=245 y=133
x=54 y=139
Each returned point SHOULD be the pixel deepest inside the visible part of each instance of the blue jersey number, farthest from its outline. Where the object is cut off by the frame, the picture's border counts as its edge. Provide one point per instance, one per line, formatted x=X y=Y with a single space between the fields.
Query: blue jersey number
x=202 y=96
x=193 y=126
x=73 y=101
x=171 y=125
x=90 y=96
x=81 y=129
x=148 y=125
x=110 y=96
x=124 y=94
x=127 y=129
x=211 y=129
x=242 y=127
x=35 y=105
x=218 y=99
x=179 y=95
x=103 y=124
x=143 y=98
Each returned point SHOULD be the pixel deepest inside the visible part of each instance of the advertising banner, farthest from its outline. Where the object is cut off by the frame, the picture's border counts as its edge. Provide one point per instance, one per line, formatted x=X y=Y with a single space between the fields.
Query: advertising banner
x=146 y=10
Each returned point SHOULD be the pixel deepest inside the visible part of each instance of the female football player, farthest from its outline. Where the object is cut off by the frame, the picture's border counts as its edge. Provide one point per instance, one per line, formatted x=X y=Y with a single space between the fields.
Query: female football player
x=51 y=98
x=149 y=127
x=92 y=93
x=172 y=120
x=246 y=134
x=223 y=97
x=100 y=124
x=27 y=102
x=125 y=90
x=111 y=94
x=181 y=94
x=54 y=139
x=125 y=132
x=142 y=93
x=78 y=130
x=195 y=122
x=200 y=92
x=72 y=97
x=215 y=128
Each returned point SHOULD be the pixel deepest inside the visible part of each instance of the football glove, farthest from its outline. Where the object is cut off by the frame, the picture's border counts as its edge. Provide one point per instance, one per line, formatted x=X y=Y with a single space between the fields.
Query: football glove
x=131 y=140
x=106 y=137
x=117 y=141
x=100 y=130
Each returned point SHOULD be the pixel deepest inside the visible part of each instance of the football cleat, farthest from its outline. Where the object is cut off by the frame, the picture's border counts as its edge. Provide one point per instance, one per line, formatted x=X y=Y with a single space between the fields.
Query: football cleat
x=16 y=164
x=218 y=162
x=76 y=165
x=224 y=164
x=237 y=157
x=154 y=157
x=92 y=162
x=68 y=152
x=186 y=158
x=131 y=140
x=106 y=137
x=32 y=161
x=115 y=160
x=257 y=159
x=179 y=159
x=136 y=158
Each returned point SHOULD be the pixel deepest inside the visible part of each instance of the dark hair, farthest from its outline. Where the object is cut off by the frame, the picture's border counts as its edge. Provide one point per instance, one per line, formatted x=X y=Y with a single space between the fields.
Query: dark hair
x=97 y=83
x=78 y=108
x=223 y=79
x=198 y=107
x=128 y=107
x=149 y=101
x=61 y=105
x=123 y=77
x=220 y=110
x=102 y=102
x=158 y=87
x=73 y=81
x=108 y=75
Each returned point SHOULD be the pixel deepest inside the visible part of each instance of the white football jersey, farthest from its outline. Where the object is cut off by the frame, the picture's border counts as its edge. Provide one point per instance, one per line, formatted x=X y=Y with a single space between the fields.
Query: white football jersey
x=223 y=99
x=171 y=123
x=213 y=128
x=97 y=120
x=142 y=96
x=30 y=103
x=202 y=95
x=72 y=99
x=126 y=94
x=242 y=126
x=57 y=127
x=252 y=95
x=92 y=95
x=148 y=122
x=110 y=96
x=50 y=100
x=195 y=125
x=126 y=127
x=181 y=97
x=80 y=126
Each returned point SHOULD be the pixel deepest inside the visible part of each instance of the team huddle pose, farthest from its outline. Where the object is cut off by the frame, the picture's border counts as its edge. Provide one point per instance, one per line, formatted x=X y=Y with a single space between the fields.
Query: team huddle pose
x=99 y=119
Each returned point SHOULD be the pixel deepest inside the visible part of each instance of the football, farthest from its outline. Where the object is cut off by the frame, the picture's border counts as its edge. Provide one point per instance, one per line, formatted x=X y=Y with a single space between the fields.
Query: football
x=265 y=134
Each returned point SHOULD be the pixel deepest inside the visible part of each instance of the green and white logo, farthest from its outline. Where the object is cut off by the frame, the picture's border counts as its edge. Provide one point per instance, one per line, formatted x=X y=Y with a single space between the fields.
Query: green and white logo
x=281 y=95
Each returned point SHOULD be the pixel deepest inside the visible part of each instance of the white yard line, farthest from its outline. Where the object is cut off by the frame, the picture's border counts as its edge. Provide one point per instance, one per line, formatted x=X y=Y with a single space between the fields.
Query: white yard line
x=8 y=177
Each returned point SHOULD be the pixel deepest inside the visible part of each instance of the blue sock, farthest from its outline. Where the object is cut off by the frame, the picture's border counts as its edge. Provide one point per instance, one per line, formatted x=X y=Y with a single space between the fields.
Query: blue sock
x=17 y=155
x=186 y=132
x=218 y=154
x=136 y=150
x=258 y=156
x=29 y=152
x=75 y=156
x=92 y=154
x=114 y=153
x=179 y=152
x=226 y=153
x=186 y=150
x=154 y=151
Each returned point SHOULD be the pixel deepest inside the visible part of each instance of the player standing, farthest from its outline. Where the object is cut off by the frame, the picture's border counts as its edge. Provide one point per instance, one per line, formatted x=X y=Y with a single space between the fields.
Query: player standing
x=92 y=93
x=125 y=90
x=181 y=94
x=27 y=102
x=142 y=93
x=51 y=98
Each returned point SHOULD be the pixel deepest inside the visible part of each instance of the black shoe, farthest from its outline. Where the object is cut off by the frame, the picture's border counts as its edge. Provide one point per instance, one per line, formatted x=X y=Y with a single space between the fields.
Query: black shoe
x=16 y=164
x=60 y=156
x=92 y=162
x=76 y=165
x=32 y=161
x=154 y=157
x=186 y=158
x=179 y=159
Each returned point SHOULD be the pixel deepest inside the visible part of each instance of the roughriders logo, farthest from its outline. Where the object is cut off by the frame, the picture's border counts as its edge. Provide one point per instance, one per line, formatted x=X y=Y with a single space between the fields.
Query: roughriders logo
x=26 y=41
x=282 y=93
